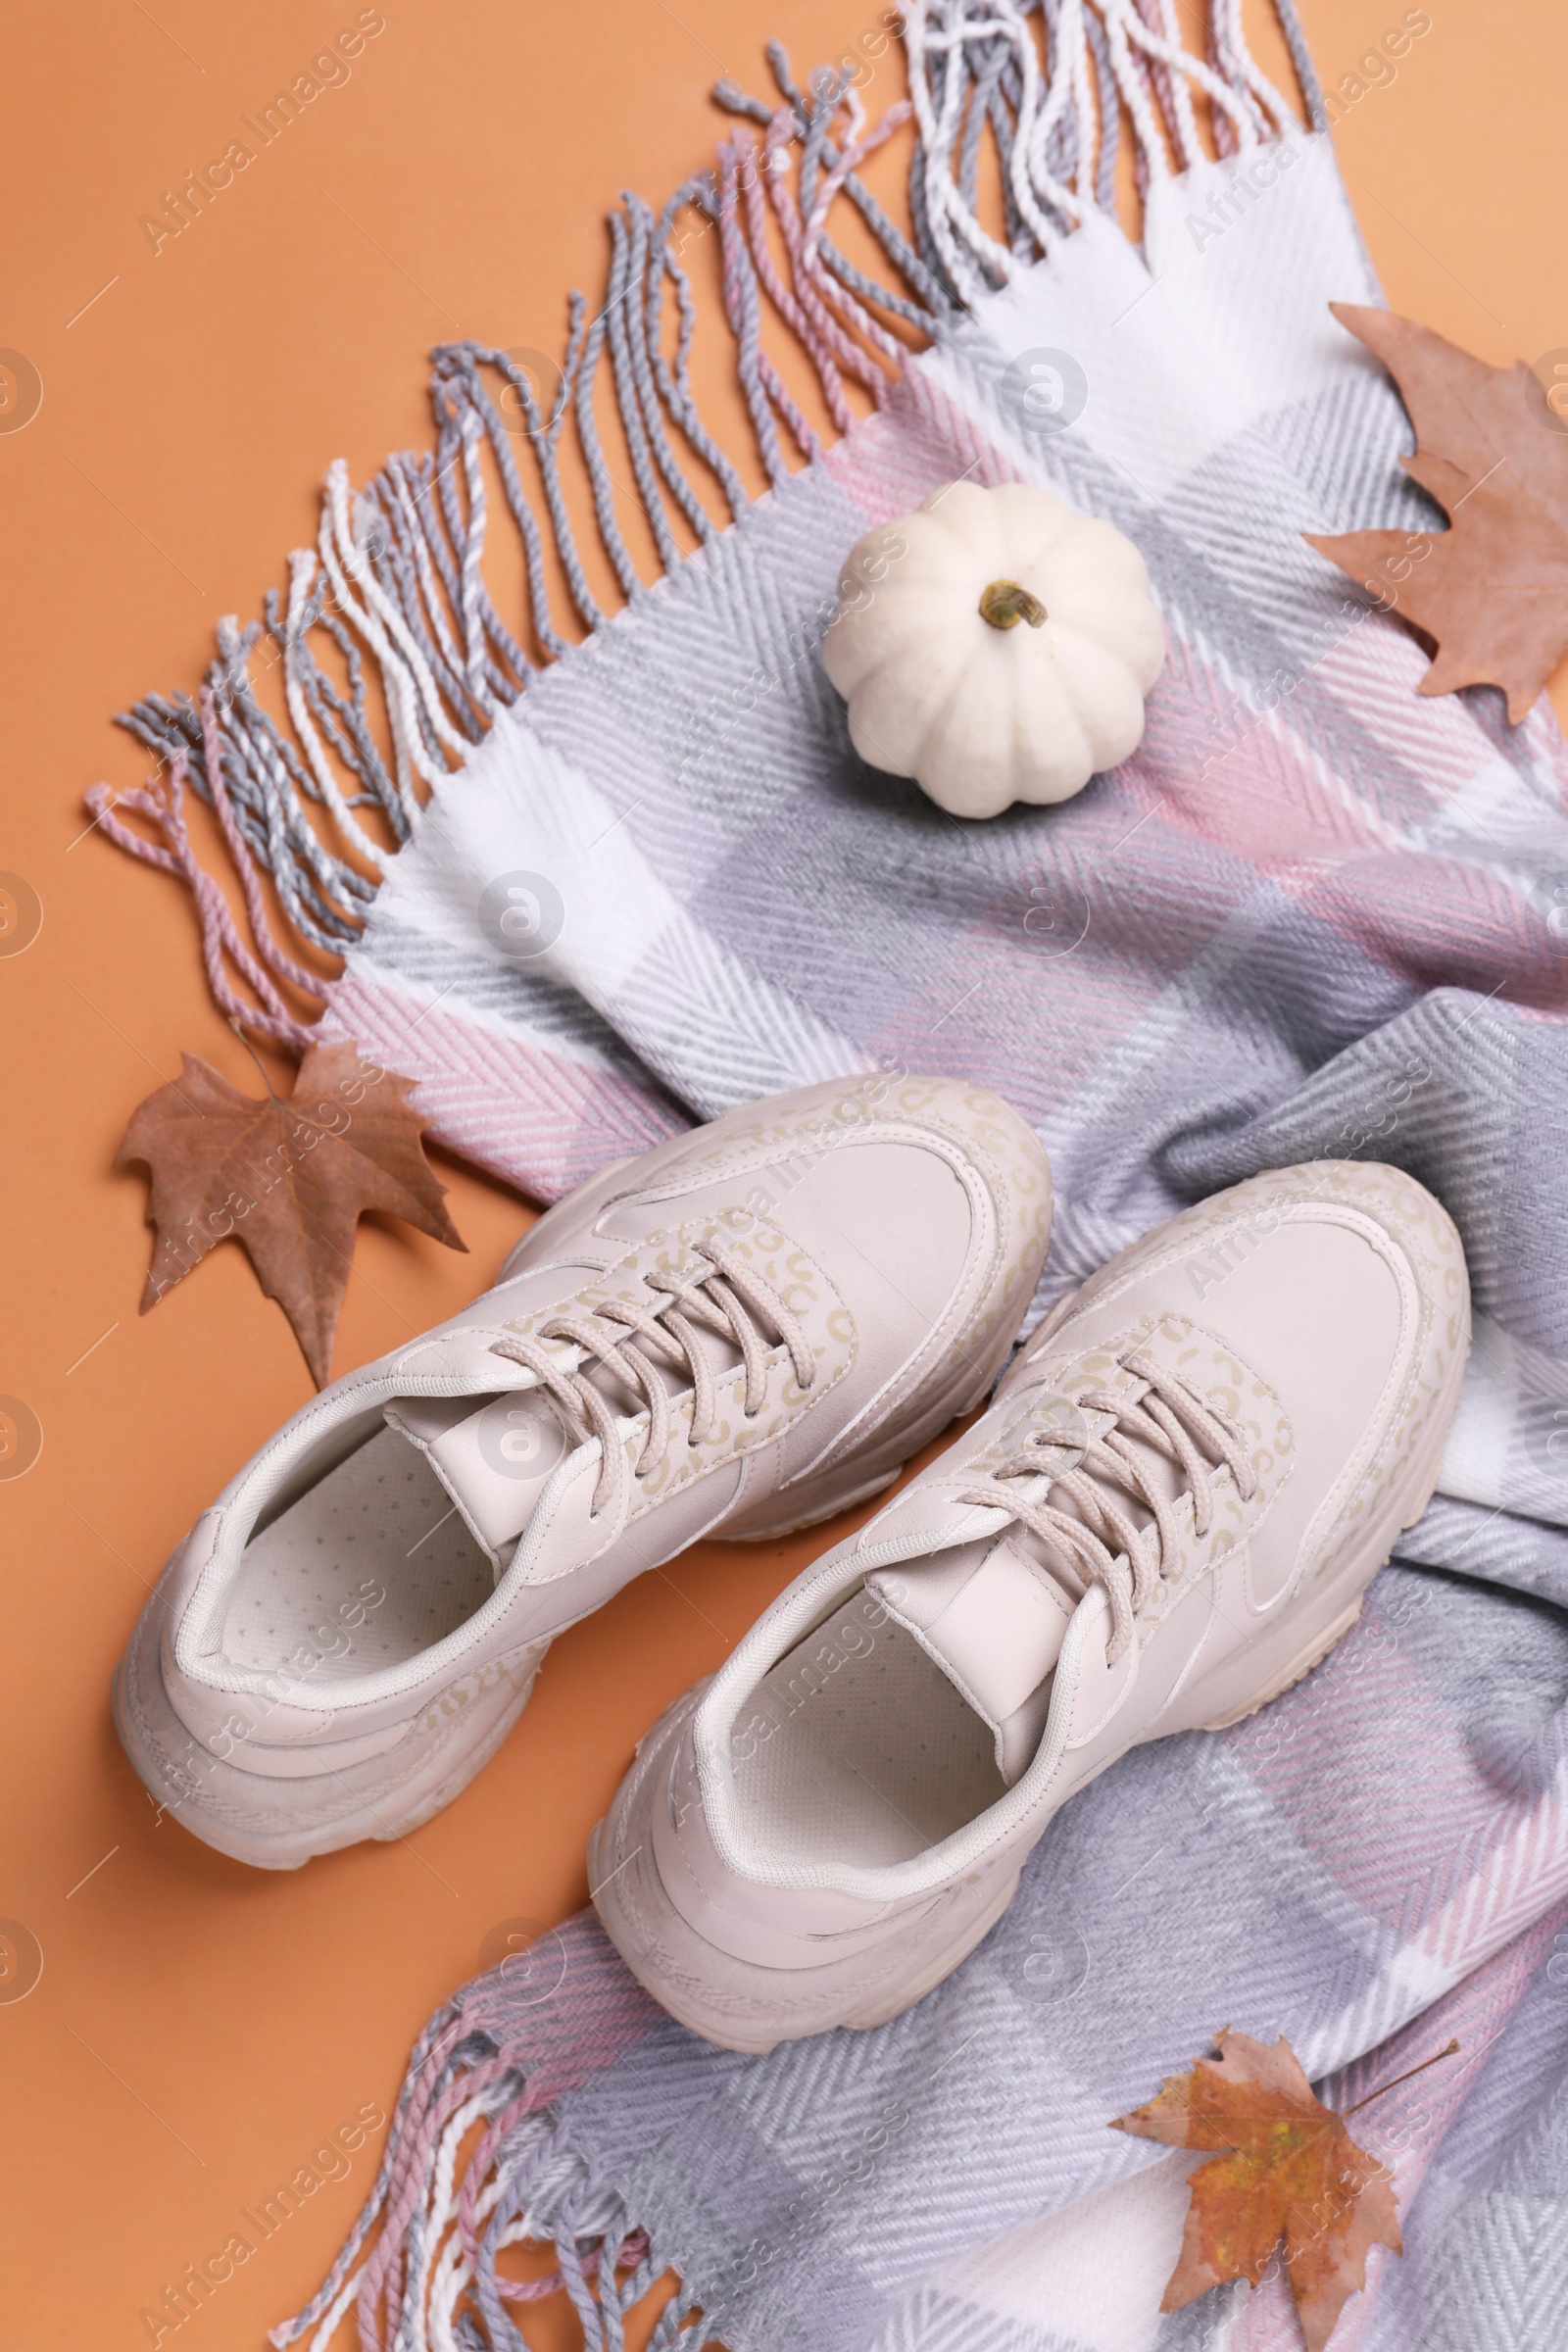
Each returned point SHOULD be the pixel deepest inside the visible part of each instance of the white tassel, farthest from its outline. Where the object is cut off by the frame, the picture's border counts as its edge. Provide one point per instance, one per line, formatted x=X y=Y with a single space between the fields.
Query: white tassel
x=401 y=665
x=945 y=206
x=1184 y=68
x=340 y=2303
x=472 y=577
x=1276 y=115
x=1069 y=87
x=353 y=535
x=1041 y=106
x=301 y=574
x=441 y=2211
x=455 y=2274
x=394 y=677
x=1065 y=93
x=429 y=586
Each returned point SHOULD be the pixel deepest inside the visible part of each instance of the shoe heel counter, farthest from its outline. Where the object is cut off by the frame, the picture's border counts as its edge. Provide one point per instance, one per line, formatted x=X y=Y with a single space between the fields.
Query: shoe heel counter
x=188 y=1563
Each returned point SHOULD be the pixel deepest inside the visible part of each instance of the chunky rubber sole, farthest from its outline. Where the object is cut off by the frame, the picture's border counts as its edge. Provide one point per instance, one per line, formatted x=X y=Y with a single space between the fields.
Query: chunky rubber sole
x=1301 y=1666
x=275 y=1824
x=966 y=1937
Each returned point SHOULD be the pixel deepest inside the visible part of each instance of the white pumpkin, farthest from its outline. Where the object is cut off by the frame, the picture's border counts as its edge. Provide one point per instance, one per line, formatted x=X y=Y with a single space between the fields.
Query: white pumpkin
x=997 y=647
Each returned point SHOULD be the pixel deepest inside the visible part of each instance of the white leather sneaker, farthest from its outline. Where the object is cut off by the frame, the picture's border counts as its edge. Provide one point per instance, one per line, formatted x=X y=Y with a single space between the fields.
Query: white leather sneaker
x=743 y=1331
x=1170 y=1513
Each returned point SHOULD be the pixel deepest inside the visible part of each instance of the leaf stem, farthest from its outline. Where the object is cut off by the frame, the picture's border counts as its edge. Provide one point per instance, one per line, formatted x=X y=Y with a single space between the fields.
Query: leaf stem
x=1451 y=2051
x=256 y=1057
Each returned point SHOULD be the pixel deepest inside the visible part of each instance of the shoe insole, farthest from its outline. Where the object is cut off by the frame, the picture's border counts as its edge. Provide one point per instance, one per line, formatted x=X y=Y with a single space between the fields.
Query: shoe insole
x=370 y=1566
x=864 y=1751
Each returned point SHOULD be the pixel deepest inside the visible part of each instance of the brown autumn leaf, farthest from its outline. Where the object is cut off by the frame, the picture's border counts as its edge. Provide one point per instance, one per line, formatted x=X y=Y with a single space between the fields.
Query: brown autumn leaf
x=1286 y=2167
x=1491 y=592
x=290 y=1180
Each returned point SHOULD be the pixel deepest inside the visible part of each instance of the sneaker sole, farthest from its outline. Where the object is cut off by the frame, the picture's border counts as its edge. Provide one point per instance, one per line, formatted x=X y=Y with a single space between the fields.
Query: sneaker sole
x=257 y=1819
x=1299 y=1667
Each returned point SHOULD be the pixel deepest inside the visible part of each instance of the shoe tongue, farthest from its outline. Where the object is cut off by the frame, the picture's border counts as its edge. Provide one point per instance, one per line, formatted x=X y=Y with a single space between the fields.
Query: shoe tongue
x=993 y=1613
x=492 y=1454
x=994 y=1618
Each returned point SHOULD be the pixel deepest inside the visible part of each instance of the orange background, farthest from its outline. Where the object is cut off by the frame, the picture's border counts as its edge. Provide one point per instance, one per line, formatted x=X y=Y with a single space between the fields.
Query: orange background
x=200 y=2028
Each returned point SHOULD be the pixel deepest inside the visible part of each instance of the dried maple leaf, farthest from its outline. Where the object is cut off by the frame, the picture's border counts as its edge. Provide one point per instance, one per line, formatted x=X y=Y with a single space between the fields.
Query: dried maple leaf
x=290 y=1180
x=1288 y=2169
x=1491 y=593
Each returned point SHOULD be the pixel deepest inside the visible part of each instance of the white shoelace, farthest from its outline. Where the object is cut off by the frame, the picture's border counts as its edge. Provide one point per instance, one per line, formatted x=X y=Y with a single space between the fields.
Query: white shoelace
x=731 y=1300
x=1173 y=1419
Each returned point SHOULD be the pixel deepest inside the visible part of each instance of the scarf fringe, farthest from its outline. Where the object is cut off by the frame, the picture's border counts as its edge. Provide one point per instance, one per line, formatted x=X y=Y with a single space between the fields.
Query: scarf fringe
x=395 y=589
x=495 y=2061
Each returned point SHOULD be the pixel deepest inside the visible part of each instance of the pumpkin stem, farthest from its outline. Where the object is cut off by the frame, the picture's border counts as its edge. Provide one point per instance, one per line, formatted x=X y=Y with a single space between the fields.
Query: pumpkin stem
x=1005 y=603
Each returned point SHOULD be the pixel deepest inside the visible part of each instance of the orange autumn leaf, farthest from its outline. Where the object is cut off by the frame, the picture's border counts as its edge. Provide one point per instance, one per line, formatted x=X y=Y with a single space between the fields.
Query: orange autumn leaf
x=288 y=1179
x=1491 y=590
x=1286 y=2168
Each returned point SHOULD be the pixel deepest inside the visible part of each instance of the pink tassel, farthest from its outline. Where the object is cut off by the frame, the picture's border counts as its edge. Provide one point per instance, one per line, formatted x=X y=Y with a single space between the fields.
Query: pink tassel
x=815 y=289
x=810 y=261
x=733 y=154
x=783 y=299
x=221 y=936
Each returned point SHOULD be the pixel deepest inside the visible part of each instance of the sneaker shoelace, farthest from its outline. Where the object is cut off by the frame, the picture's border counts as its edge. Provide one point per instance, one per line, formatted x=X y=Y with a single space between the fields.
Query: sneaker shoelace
x=730 y=1299
x=1103 y=1544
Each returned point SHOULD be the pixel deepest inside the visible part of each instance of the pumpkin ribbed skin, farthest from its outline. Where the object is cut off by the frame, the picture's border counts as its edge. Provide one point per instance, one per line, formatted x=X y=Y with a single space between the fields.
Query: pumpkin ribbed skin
x=982 y=715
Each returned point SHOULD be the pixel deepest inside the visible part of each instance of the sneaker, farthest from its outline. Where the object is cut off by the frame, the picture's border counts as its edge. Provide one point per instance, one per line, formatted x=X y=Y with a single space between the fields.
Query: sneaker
x=740 y=1333
x=1170 y=1513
